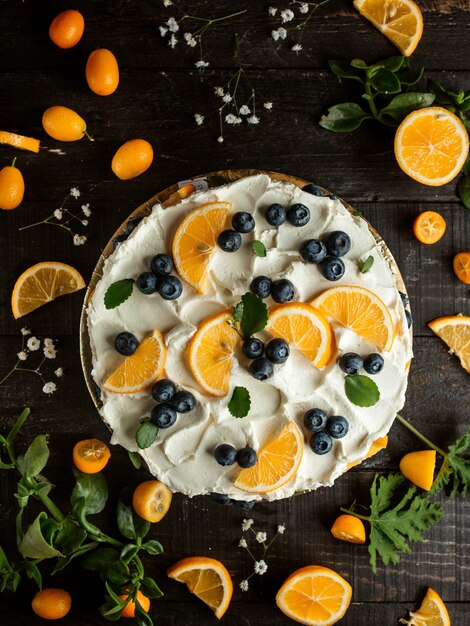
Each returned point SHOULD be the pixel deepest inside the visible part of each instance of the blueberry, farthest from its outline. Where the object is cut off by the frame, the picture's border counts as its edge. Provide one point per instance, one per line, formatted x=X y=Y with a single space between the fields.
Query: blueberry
x=183 y=401
x=315 y=420
x=298 y=215
x=242 y=504
x=276 y=214
x=313 y=251
x=261 y=369
x=373 y=364
x=163 y=415
x=229 y=240
x=163 y=390
x=338 y=243
x=350 y=363
x=247 y=457
x=119 y=239
x=404 y=299
x=282 y=291
x=315 y=190
x=277 y=351
x=409 y=318
x=126 y=343
x=253 y=348
x=132 y=223
x=146 y=283
x=261 y=286
x=332 y=268
x=225 y=454
x=321 y=443
x=337 y=426
x=243 y=222
x=162 y=265
x=222 y=498
x=170 y=287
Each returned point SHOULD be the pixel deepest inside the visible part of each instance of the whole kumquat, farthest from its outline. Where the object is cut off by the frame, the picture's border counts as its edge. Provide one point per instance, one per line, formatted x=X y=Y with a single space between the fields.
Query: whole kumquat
x=51 y=603
x=349 y=528
x=63 y=124
x=102 y=72
x=132 y=159
x=129 y=609
x=67 y=28
x=11 y=187
x=429 y=227
x=462 y=267
x=90 y=456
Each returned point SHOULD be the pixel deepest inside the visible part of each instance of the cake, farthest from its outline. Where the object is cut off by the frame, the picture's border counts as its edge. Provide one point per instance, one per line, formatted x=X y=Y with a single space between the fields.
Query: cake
x=184 y=455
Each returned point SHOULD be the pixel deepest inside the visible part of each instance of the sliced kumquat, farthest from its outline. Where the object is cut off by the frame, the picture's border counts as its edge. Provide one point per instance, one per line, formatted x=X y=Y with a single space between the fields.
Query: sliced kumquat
x=51 y=603
x=151 y=500
x=429 y=227
x=455 y=331
x=208 y=579
x=129 y=609
x=379 y=444
x=419 y=468
x=349 y=528
x=90 y=456
x=462 y=267
x=432 y=612
x=19 y=141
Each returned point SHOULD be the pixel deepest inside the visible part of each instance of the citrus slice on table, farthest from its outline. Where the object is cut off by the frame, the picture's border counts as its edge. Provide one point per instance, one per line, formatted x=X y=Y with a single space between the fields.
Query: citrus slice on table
x=90 y=456
x=19 y=141
x=195 y=241
x=431 y=145
x=210 y=353
x=455 y=331
x=360 y=310
x=461 y=266
x=349 y=528
x=315 y=596
x=207 y=578
x=429 y=227
x=43 y=283
x=151 y=500
x=277 y=463
x=400 y=21
x=139 y=370
x=432 y=612
x=304 y=328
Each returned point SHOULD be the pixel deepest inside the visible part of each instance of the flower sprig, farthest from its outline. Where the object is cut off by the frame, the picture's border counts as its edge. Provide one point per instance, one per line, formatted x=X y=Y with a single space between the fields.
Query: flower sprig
x=63 y=218
x=259 y=565
x=306 y=11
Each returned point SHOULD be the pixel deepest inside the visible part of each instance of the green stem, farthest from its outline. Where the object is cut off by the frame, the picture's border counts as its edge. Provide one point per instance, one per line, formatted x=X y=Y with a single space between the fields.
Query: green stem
x=89 y=137
x=365 y=518
x=13 y=162
x=424 y=439
x=9 y=374
x=371 y=102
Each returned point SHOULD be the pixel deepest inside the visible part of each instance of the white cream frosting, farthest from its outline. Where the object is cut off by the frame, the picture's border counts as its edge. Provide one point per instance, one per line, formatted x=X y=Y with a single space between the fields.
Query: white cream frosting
x=182 y=455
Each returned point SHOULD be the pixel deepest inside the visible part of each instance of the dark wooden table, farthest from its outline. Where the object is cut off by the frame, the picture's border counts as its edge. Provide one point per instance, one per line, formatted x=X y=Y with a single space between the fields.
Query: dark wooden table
x=159 y=92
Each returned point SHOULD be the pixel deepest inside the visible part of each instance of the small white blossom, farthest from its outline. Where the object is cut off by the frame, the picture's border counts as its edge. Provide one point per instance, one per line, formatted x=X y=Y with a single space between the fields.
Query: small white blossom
x=253 y=119
x=49 y=343
x=296 y=48
x=281 y=529
x=268 y=106
x=303 y=7
x=190 y=39
x=272 y=11
x=247 y=524
x=244 y=110
x=242 y=543
x=49 y=388
x=274 y=35
x=230 y=118
x=199 y=119
x=260 y=567
x=23 y=355
x=261 y=537
x=85 y=222
x=50 y=352
x=244 y=585
x=25 y=331
x=173 y=25
x=79 y=240
x=58 y=214
x=220 y=139
x=200 y=64
x=86 y=210
x=219 y=92
x=163 y=30
x=287 y=15
x=173 y=41
x=75 y=192
x=33 y=344
x=282 y=32
x=227 y=98
x=59 y=372
x=167 y=3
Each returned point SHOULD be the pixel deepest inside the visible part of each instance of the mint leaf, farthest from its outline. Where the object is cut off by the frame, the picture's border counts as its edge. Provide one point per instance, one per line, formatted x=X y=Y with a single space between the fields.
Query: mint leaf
x=258 y=248
x=240 y=402
x=118 y=292
x=237 y=313
x=135 y=459
x=146 y=434
x=366 y=265
x=255 y=314
x=361 y=390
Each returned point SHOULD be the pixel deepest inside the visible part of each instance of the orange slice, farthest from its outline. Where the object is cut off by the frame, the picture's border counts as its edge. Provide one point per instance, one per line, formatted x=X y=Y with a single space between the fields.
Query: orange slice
x=455 y=331
x=151 y=500
x=419 y=468
x=432 y=612
x=379 y=444
x=277 y=463
x=43 y=283
x=304 y=328
x=462 y=267
x=141 y=369
x=431 y=145
x=210 y=353
x=90 y=456
x=360 y=310
x=196 y=240
x=429 y=227
x=19 y=141
x=315 y=596
x=400 y=21
x=207 y=578
x=349 y=528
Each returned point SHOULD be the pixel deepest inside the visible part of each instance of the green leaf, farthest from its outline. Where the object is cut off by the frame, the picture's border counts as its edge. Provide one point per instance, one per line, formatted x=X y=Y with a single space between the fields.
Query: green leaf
x=141 y=616
x=99 y=560
x=344 y=118
x=150 y=588
x=36 y=456
x=463 y=189
x=135 y=459
x=366 y=265
x=258 y=248
x=255 y=314
x=455 y=471
x=146 y=434
x=442 y=95
x=70 y=536
x=152 y=547
x=237 y=313
x=128 y=552
x=34 y=545
x=18 y=425
x=361 y=390
x=385 y=81
x=405 y=103
x=63 y=562
x=130 y=525
x=118 y=573
x=32 y=572
x=410 y=76
x=393 y=64
x=93 y=489
x=240 y=402
x=359 y=63
x=343 y=69
x=118 y=292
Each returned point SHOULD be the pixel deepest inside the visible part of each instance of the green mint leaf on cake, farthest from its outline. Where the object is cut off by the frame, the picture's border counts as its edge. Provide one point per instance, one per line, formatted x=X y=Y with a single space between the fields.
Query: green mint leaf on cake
x=255 y=315
x=366 y=265
x=258 y=248
x=238 y=313
x=240 y=402
x=118 y=292
x=361 y=390
x=146 y=434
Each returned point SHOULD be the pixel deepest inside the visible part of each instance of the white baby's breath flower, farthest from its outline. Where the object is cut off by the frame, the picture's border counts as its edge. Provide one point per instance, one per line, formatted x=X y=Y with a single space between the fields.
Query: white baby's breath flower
x=242 y=543
x=272 y=11
x=260 y=567
x=75 y=193
x=167 y=3
x=281 y=529
x=173 y=25
x=244 y=110
x=220 y=139
x=282 y=32
x=33 y=344
x=172 y=42
x=50 y=352
x=268 y=106
x=287 y=15
x=59 y=372
x=58 y=214
x=49 y=388
x=23 y=355
x=219 y=91
x=247 y=524
x=199 y=119
x=85 y=222
x=25 y=331
x=253 y=119
x=163 y=30
x=227 y=98
x=49 y=343
x=274 y=35
x=230 y=118
x=86 y=210
x=201 y=64
x=296 y=48
x=190 y=39
x=303 y=8
x=261 y=537
x=244 y=585
x=79 y=240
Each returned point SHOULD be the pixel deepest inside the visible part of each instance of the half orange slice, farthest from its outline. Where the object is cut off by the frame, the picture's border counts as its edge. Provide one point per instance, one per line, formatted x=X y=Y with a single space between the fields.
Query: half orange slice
x=455 y=331
x=432 y=612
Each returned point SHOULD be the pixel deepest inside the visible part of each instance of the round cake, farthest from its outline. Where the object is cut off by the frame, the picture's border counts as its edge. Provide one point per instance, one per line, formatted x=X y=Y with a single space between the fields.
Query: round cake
x=281 y=337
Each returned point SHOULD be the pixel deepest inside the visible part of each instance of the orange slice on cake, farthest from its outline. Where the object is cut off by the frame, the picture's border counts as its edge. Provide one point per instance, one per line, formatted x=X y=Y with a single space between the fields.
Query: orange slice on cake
x=432 y=612
x=455 y=331
x=138 y=371
x=196 y=240
x=304 y=328
x=210 y=353
x=277 y=463
x=360 y=310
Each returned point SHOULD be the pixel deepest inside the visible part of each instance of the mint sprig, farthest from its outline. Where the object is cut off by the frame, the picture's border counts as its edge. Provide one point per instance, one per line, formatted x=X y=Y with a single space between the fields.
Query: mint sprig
x=240 y=402
x=258 y=248
x=118 y=292
x=146 y=434
x=366 y=265
x=249 y=316
x=361 y=390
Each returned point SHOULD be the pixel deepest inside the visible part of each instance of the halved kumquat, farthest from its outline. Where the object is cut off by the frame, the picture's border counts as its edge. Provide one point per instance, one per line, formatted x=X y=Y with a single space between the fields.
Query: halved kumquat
x=429 y=227
x=419 y=468
x=349 y=528
x=455 y=331
x=462 y=267
x=90 y=456
x=151 y=500
x=432 y=612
